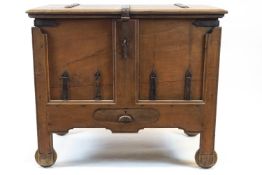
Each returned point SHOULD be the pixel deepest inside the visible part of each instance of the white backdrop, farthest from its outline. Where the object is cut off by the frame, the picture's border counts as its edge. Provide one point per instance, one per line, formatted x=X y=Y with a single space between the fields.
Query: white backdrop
x=154 y=151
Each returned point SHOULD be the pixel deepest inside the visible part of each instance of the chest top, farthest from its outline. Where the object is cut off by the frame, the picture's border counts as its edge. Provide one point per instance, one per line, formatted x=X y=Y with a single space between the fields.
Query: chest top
x=135 y=11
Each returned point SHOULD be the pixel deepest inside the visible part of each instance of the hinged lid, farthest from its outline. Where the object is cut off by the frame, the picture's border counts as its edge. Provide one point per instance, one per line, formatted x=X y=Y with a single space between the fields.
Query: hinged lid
x=174 y=9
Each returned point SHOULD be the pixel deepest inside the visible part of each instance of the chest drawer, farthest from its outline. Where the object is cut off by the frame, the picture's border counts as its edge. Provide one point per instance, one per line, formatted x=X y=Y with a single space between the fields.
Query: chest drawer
x=143 y=115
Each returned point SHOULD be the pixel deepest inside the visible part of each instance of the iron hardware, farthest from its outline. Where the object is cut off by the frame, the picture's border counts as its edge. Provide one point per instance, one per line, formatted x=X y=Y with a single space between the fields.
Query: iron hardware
x=45 y=23
x=98 y=85
x=125 y=118
x=187 y=88
x=125 y=48
x=206 y=23
x=125 y=13
x=181 y=5
x=125 y=31
x=72 y=5
x=152 y=93
x=65 y=85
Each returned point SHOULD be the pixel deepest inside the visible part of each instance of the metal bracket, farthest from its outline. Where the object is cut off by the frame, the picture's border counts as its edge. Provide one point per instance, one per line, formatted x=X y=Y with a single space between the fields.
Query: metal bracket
x=125 y=13
x=206 y=23
x=45 y=23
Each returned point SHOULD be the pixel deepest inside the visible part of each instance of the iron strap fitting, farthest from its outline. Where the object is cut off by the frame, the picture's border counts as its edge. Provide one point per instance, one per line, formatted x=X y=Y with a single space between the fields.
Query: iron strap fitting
x=125 y=13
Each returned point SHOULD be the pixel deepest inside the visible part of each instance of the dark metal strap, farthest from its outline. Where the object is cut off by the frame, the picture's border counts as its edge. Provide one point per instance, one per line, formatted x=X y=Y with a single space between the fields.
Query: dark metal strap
x=98 y=95
x=45 y=23
x=152 y=92
x=65 y=85
x=72 y=5
x=187 y=90
x=206 y=23
x=181 y=5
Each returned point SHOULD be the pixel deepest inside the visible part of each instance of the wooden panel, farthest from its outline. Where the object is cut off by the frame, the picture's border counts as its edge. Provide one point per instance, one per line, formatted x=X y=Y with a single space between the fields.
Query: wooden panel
x=81 y=47
x=137 y=115
x=171 y=48
x=207 y=137
x=40 y=49
x=63 y=117
x=125 y=69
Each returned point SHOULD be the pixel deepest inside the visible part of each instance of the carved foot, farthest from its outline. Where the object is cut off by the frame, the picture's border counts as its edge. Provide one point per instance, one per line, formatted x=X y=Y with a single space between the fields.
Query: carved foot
x=45 y=160
x=190 y=134
x=62 y=133
x=206 y=160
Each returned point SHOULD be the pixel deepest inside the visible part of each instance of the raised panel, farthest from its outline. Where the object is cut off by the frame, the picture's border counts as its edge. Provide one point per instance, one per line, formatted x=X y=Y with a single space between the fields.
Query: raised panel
x=81 y=48
x=170 y=48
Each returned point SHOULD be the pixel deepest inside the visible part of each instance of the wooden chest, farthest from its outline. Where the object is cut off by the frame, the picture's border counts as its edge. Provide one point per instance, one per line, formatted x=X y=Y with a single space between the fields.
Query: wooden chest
x=126 y=68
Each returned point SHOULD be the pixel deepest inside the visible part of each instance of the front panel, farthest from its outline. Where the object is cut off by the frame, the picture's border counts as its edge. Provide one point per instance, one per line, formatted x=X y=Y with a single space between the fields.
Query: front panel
x=171 y=64
x=80 y=59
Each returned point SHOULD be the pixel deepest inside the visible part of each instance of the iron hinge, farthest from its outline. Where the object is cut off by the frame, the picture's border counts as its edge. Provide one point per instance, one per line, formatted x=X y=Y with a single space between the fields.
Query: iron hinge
x=206 y=23
x=45 y=23
x=125 y=13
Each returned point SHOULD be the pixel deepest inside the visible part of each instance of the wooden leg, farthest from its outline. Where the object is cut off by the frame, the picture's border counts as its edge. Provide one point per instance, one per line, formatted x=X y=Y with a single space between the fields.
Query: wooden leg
x=206 y=160
x=206 y=157
x=45 y=156
x=45 y=160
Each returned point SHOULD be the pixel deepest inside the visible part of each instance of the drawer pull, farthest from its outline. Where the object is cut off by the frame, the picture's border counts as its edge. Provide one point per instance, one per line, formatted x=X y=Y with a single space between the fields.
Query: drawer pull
x=65 y=85
x=125 y=118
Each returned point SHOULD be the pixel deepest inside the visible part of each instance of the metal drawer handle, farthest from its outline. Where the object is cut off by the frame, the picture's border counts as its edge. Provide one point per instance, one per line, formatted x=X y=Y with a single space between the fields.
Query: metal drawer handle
x=125 y=118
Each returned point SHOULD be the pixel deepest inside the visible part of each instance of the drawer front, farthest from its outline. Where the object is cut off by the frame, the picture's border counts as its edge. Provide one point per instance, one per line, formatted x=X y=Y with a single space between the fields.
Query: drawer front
x=80 y=57
x=125 y=116
x=171 y=60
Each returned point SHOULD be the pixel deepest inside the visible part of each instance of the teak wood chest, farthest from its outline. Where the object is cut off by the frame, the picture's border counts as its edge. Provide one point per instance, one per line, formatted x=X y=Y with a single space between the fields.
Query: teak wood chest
x=126 y=68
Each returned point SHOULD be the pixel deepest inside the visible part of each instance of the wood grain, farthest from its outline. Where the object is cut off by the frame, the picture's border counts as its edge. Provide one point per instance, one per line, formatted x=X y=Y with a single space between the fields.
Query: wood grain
x=81 y=48
x=171 y=48
x=45 y=150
